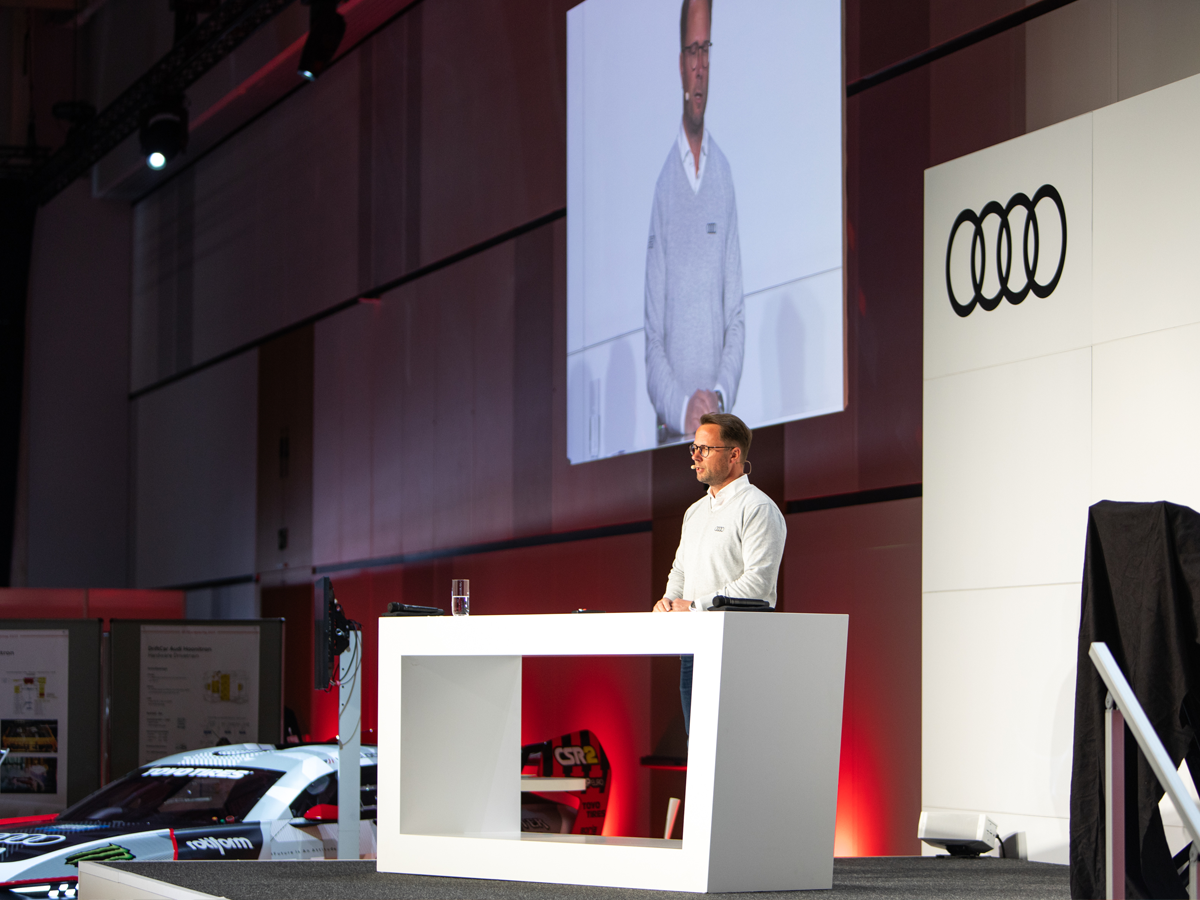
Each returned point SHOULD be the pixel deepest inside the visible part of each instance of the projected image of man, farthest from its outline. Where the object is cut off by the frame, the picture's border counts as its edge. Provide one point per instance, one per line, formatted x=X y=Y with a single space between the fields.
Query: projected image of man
x=695 y=328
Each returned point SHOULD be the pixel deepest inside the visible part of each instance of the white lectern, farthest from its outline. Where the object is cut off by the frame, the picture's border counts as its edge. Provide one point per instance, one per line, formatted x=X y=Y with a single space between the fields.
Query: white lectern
x=762 y=765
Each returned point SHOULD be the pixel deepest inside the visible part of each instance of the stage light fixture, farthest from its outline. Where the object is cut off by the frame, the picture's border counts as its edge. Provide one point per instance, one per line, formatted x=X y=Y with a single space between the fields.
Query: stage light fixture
x=958 y=833
x=326 y=28
x=164 y=131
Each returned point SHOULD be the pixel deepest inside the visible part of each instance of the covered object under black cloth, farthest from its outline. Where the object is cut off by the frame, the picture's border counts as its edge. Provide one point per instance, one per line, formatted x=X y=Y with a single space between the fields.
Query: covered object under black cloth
x=1141 y=596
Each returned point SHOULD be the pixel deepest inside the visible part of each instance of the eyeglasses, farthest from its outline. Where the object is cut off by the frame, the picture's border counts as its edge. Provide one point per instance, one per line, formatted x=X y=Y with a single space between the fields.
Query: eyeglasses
x=704 y=451
x=697 y=53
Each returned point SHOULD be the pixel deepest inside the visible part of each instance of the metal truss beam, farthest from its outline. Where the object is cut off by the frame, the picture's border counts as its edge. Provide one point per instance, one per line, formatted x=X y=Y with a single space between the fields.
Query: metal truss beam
x=213 y=39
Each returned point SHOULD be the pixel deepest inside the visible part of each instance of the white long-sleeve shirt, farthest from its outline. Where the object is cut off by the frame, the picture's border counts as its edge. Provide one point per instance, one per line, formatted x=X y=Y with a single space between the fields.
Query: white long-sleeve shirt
x=732 y=544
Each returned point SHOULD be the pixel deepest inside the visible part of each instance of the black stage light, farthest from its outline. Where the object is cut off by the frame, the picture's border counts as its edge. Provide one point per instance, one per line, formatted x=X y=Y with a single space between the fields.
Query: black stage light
x=164 y=131
x=326 y=28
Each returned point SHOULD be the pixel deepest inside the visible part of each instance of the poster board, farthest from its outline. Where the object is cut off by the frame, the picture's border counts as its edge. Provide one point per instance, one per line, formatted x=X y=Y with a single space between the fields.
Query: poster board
x=49 y=714
x=188 y=684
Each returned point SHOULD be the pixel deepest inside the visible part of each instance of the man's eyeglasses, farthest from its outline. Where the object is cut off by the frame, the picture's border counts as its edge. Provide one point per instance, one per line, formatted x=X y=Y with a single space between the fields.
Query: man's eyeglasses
x=704 y=451
x=697 y=53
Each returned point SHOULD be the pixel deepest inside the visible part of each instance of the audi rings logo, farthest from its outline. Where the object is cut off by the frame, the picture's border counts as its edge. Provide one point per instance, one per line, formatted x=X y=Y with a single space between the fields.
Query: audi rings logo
x=1031 y=246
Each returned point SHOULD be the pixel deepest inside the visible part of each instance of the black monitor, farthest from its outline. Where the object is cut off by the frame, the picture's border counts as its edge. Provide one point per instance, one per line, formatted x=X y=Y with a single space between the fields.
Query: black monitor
x=331 y=634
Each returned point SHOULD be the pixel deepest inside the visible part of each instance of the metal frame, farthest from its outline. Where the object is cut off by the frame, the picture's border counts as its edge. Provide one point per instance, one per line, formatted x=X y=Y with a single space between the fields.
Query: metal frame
x=350 y=747
x=1122 y=709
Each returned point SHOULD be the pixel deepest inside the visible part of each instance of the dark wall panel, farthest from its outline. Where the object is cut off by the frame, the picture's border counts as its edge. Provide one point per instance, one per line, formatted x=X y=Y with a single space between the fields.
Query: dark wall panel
x=876 y=441
x=294 y=604
x=285 y=428
x=439 y=414
x=978 y=94
x=413 y=416
x=396 y=101
x=78 y=415
x=493 y=118
x=533 y=382
x=257 y=235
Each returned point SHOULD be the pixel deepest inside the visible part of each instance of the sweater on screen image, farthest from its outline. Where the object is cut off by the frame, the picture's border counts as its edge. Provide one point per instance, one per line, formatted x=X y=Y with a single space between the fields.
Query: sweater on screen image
x=694 y=318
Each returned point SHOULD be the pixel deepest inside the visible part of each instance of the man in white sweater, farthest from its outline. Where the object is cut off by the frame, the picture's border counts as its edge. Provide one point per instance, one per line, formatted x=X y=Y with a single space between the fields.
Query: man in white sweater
x=694 y=317
x=733 y=536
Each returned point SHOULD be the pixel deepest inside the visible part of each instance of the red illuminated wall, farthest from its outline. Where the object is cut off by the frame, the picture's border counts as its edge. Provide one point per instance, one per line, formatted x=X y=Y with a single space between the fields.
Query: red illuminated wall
x=90 y=603
x=864 y=561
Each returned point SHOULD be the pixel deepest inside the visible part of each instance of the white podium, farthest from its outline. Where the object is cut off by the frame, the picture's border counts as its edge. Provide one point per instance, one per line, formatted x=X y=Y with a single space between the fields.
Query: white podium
x=762 y=767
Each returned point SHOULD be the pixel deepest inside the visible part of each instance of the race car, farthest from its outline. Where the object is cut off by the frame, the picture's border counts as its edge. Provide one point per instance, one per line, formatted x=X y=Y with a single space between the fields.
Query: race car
x=241 y=801
x=565 y=785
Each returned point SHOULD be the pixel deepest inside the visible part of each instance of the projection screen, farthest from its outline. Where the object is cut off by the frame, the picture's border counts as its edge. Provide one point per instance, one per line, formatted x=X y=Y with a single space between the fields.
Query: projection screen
x=713 y=290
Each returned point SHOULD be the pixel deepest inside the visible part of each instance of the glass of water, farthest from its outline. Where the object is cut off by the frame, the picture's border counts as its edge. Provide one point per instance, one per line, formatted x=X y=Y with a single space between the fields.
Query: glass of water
x=460 y=596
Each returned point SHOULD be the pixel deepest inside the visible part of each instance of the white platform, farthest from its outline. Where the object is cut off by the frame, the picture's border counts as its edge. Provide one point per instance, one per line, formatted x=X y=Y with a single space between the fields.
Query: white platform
x=762 y=769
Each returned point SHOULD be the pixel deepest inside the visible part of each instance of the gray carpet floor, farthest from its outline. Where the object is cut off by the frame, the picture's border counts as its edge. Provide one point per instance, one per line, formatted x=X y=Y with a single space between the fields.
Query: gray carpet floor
x=874 y=878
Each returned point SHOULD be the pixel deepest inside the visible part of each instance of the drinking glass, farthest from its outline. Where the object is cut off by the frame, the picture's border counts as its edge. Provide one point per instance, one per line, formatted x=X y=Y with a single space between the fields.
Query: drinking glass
x=460 y=596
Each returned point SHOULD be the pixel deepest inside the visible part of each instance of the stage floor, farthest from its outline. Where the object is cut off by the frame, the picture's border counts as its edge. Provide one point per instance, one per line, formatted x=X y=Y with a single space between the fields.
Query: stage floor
x=871 y=878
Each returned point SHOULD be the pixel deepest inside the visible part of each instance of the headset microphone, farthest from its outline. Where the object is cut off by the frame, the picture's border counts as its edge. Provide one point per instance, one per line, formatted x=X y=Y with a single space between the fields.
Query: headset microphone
x=693 y=467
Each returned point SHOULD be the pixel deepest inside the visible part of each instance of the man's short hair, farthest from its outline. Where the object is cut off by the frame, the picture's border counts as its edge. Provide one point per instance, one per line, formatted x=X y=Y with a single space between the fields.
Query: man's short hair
x=683 y=14
x=733 y=430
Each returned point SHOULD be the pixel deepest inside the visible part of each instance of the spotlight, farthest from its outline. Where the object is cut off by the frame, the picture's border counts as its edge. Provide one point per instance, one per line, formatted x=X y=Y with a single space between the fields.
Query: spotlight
x=164 y=131
x=326 y=27
x=960 y=834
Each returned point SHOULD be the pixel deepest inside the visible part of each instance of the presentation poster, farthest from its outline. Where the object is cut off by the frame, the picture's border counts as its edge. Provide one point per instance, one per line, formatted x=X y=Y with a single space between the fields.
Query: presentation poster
x=33 y=722
x=199 y=688
x=704 y=217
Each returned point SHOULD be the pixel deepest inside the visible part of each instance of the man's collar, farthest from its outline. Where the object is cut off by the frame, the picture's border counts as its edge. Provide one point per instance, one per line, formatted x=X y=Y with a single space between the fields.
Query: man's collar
x=685 y=156
x=685 y=148
x=736 y=486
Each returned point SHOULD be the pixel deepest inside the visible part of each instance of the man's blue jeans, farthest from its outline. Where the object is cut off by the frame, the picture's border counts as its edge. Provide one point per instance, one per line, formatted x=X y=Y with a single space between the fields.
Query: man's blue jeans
x=685 y=691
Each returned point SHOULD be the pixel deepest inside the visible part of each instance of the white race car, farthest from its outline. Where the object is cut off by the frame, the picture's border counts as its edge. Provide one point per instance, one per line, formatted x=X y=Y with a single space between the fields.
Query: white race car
x=242 y=801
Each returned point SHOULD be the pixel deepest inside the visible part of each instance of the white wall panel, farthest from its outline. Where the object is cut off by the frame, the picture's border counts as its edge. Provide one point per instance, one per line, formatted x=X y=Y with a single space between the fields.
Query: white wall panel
x=196 y=476
x=1006 y=475
x=1015 y=453
x=1007 y=482
x=1147 y=186
x=998 y=686
x=1060 y=156
x=1146 y=418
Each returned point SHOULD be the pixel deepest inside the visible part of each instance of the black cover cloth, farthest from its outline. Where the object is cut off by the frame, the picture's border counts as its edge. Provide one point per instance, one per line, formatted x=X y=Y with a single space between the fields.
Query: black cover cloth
x=1141 y=596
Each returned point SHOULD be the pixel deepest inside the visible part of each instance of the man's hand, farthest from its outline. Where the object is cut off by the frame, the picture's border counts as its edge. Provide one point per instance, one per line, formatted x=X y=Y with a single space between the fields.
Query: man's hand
x=701 y=402
x=665 y=605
